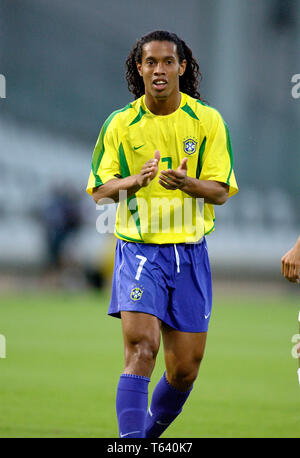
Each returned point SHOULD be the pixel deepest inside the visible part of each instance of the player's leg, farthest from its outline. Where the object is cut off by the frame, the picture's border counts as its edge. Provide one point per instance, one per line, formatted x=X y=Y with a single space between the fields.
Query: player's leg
x=183 y=354
x=141 y=334
x=140 y=297
x=184 y=334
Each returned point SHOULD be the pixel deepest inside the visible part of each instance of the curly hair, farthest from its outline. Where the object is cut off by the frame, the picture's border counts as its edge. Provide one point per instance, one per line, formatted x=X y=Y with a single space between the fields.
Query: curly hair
x=188 y=82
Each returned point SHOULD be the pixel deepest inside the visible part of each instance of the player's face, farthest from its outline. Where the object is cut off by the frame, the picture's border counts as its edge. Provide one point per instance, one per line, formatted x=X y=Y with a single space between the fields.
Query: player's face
x=160 y=69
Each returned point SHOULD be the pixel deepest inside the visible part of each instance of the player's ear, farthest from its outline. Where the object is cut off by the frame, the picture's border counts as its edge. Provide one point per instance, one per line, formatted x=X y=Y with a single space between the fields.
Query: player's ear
x=182 y=67
x=139 y=68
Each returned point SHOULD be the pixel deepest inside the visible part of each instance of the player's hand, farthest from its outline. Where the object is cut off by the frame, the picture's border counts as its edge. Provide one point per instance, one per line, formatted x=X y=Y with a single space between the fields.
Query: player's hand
x=149 y=170
x=174 y=179
x=290 y=265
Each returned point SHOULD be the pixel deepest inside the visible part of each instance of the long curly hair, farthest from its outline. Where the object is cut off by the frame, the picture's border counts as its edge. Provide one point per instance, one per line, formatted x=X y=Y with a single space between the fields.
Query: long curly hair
x=188 y=82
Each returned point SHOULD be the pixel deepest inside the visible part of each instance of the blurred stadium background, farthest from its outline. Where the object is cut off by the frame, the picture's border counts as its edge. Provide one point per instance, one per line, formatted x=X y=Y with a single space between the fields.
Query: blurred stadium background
x=63 y=63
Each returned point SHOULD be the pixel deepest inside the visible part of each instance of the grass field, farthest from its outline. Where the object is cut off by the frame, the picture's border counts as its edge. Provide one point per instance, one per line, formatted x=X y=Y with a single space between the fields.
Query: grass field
x=64 y=357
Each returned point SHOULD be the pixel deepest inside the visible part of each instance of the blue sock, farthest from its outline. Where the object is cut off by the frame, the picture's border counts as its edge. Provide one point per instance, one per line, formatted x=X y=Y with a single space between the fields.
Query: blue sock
x=166 y=405
x=131 y=405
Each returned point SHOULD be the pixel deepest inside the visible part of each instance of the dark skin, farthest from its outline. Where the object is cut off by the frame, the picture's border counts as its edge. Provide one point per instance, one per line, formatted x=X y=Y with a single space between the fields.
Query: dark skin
x=183 y=351
x=290 y=263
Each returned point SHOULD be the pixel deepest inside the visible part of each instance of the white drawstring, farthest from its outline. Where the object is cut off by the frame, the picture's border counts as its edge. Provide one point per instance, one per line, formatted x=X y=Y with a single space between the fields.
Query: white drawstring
x=177 y=259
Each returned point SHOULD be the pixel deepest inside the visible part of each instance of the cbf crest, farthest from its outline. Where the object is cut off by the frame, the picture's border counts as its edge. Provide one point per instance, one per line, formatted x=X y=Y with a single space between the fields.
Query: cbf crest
x=190 y=145
x=136 y=293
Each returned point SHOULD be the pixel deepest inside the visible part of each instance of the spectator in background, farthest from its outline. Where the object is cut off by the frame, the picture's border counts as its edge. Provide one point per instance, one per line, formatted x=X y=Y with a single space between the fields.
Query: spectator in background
x=62 y=218
x=290 y=263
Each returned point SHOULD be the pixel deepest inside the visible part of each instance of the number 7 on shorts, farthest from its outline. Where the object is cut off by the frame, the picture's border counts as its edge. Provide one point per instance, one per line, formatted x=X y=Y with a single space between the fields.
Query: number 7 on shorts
x=140 y=267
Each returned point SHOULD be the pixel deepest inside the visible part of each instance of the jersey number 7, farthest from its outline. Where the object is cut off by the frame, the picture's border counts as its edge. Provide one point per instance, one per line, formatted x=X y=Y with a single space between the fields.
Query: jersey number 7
x=140 y=267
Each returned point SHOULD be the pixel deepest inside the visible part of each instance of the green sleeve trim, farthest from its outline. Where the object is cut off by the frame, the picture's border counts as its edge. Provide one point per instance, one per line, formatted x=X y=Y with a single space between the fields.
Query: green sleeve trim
x=228 y=141
x=98 y=181
x=96 y=160
x=229 y=149
x=200 y=156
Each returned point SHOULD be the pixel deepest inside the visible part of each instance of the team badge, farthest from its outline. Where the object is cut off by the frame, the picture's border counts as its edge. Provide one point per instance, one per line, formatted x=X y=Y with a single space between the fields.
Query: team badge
x=189 y=145
x=136 y=294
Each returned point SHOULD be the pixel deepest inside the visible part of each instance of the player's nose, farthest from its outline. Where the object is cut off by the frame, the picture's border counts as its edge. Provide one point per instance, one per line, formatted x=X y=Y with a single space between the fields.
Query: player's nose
x=159 y=69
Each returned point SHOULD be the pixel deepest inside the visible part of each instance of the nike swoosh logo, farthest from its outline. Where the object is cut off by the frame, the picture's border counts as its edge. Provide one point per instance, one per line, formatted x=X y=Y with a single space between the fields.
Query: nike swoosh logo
x=206 y=316
x=127 y=434
x=138 y=147
x=158 y=422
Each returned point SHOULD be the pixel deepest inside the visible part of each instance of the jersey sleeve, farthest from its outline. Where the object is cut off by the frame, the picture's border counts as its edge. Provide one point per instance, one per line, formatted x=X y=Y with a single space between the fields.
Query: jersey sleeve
x=217 y=159
x=105 y=160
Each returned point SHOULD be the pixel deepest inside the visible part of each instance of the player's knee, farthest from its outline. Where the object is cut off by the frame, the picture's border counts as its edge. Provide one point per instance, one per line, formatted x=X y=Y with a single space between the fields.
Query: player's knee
x=184 y=375
x=146 y=350
x=142 y=353
x=183 y=379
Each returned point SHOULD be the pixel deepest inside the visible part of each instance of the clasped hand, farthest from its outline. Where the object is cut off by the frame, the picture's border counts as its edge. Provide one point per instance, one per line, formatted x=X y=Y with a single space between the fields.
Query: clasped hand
x=169 y=179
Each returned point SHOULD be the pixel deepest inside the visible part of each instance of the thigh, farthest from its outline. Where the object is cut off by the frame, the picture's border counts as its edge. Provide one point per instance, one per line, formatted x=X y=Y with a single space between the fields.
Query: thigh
x=183 y=346
x=138 y=326
x=183 y=352
x=141 y=335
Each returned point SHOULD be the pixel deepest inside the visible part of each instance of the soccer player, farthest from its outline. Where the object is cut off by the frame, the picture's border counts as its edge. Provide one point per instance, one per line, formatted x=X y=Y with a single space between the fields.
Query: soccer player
x=161 y=157
x=290 y=263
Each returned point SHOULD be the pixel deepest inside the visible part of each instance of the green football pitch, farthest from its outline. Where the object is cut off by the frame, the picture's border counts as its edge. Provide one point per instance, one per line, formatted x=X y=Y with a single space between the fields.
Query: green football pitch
x=64 y=356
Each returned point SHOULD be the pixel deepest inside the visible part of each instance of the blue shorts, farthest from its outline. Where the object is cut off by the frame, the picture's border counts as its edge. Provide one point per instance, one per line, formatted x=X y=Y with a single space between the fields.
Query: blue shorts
x=172 y=282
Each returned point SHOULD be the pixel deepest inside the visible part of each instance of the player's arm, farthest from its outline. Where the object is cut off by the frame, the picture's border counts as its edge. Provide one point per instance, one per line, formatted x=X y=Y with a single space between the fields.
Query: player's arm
x=290 y=263
x=111 y=189
x=216 y=181
x=131 y=184
x=213 y=192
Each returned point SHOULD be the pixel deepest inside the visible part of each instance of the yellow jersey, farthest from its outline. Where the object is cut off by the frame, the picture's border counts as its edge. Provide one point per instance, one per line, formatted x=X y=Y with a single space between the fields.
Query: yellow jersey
x=130 y=136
